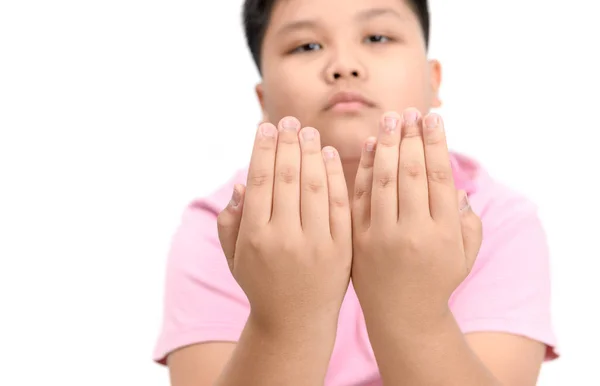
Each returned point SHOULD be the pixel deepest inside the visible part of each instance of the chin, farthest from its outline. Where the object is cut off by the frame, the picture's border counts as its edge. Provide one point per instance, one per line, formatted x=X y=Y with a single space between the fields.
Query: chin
x=347 y=137
x=351 y=129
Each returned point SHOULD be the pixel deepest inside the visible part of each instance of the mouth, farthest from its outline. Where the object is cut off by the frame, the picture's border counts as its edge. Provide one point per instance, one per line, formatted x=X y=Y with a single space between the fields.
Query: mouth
x=347 y=102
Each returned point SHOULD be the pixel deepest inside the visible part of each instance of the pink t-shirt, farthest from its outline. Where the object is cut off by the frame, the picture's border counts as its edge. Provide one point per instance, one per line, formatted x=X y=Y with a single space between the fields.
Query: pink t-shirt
x=508 y=289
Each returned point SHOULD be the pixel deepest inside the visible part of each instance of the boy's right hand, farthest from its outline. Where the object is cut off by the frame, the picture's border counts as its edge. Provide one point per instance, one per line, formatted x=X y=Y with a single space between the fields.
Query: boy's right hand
x=287 y=235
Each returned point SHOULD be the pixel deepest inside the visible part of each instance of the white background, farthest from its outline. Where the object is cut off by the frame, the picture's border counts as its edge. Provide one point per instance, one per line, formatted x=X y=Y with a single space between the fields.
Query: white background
x=114 y=114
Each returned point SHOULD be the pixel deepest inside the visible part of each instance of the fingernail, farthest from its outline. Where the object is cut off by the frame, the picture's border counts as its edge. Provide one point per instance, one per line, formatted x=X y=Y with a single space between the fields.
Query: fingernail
x=391 y=123
x=370 y=145
x=432 y=122
x=308 y=134
x=328 y=153
x=410 y=117
x=235 y=197
x=291 y=124
x=464 y=203
x=267 y=130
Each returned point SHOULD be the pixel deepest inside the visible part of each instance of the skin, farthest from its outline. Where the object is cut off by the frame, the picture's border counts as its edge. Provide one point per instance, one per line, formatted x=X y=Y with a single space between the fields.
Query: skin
x=362 y=199
x=393 y=72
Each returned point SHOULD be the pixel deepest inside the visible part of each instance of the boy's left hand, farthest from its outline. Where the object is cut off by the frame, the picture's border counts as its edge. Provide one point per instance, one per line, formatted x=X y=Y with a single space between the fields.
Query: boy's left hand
x=414 y=240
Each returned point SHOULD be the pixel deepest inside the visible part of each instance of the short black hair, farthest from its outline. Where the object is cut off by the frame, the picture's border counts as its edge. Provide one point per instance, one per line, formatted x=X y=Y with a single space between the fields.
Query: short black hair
x=257 y=14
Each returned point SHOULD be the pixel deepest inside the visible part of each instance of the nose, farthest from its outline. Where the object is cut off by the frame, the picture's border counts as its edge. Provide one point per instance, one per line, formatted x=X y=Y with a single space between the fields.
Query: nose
x=343 y=73
x=344 y=67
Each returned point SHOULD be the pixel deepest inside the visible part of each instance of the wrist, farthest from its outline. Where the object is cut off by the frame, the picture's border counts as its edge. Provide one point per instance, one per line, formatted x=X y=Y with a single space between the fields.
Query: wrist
x=398 y=321
x=408 y=351
x=309 y=332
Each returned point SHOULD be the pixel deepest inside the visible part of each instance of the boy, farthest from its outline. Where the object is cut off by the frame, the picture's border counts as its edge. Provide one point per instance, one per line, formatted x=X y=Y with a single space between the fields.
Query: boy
x=355 y=251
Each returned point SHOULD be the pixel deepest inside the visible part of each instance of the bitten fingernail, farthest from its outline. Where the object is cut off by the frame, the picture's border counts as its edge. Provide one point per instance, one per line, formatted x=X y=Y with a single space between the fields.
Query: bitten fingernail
x=391 y=123
x=308 y=134
x=328 y=153
x=464 y=203
x=370 y=145
x=432 y=122
x=235 y=197
x=267 y=130
x=410 y=117
x=290 y=124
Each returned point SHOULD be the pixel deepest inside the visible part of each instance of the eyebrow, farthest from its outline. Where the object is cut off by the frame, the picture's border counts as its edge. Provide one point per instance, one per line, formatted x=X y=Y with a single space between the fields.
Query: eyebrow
x=297 y=25
x=361 y=16
x=375 y=12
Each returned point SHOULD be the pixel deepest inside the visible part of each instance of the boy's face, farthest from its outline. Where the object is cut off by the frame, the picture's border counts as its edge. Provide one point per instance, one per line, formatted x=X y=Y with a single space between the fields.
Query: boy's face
x=315 y=49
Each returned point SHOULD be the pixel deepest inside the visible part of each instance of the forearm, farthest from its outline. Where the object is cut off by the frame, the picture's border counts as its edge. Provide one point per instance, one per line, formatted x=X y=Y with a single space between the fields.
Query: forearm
x=297 y=356
x=425 y=353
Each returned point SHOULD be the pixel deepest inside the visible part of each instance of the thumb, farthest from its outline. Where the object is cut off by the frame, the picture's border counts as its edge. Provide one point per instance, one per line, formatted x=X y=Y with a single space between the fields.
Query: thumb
x=228 y=223
x=471 y=229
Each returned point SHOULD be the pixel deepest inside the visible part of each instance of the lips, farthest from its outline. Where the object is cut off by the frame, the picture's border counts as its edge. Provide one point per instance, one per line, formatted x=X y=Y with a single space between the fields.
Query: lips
x=348 y=99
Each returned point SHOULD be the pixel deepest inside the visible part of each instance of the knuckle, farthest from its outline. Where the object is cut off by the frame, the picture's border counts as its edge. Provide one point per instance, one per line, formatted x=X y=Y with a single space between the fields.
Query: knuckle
x=359 y=192
x=338 y=202
x=288 y=138
x=473 y=224
x=387 y=240
x=412 y=132
x=287 y=174
x=333 y=170
x=385 y=182
x=387 y=142
x=259 y=178
x=447 y=237
x=266 y=144
x=287 y=246
x=366 y=164
x=439 y=175
x=413 y=242
x=314 y=185
x=255 y=242
x=434 y=138
x=412 y=169
x=310 y=150
x=223 y=219
x=386 y=179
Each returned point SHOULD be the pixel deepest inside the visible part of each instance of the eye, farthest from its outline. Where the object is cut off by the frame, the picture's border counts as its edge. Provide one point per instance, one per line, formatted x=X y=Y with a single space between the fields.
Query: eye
x=306 y=48
x=378 y=39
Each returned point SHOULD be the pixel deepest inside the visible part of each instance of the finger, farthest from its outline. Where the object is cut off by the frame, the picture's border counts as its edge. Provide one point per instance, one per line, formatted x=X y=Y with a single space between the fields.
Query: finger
x=340 y=222
x=440 y=181
x=384 y=194
x=228 y=223
x=314 y=200
x=259 y=186
x=413 y=200
x=471 y=229
x=286 y=189
x=363 y=184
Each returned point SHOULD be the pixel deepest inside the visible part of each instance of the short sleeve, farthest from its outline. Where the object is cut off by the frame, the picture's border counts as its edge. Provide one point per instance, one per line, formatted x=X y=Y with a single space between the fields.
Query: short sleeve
x=202 y=300
x=508 y=289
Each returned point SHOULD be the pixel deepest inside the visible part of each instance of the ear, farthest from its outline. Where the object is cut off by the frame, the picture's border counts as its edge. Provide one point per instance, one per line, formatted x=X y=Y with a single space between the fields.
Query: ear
x=435 y=79
x=261 y=99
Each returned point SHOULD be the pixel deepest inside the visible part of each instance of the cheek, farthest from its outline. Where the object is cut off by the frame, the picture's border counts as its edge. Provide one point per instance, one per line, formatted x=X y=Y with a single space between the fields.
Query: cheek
x=291 y=95
x=404 y=85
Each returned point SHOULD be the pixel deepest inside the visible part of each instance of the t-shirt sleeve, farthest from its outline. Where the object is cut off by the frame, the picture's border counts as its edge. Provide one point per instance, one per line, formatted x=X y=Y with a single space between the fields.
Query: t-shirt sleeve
x=508 y=289
x=202 y=300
